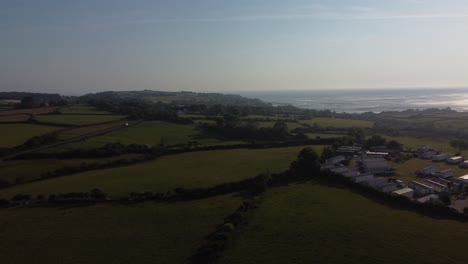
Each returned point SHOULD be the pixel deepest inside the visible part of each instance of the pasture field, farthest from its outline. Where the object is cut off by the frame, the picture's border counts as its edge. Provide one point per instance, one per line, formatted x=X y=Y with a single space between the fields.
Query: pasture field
x=315 y=135
x=337 y=122
x=80 y=131
x=188 y=170
x=14 y=118
x=415 y=143
x=36 y=111
x=78 y=119
x=405 y=171
x=146 y=233
x=152 y=133
x=310 y=223
x=16 y=134
x=291 y=125
x=29 y=170
x=82 y=109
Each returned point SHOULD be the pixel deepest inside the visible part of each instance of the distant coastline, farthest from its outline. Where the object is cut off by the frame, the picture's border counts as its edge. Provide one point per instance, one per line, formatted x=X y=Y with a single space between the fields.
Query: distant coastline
x=360 y=101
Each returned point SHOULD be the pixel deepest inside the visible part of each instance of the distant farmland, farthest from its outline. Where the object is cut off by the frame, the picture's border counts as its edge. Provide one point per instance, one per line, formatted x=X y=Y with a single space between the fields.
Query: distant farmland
x=16 y=134
x=36 y=111
x=78 y=119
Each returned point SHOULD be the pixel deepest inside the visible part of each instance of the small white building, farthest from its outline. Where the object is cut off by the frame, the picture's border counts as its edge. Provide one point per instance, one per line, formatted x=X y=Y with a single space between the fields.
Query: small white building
x=455 y=160
x=440 y=157
x=407 y=192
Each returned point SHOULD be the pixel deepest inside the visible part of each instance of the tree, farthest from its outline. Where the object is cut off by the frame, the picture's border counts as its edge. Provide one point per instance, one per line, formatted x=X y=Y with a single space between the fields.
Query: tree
x=393 y=144
x=28 y=101
x=376 y=140
x=327 y=153
x=97 y=194
x=281 y=129
x=307 y=163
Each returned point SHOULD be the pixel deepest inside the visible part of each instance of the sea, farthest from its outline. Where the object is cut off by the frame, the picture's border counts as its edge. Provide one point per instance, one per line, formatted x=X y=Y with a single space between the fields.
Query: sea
x=369 y=100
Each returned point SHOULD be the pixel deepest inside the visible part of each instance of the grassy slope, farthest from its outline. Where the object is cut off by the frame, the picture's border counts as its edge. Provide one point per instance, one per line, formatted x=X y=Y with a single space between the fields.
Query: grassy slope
x=147 y=233
x=78 y=119
x=317 y=224
x=151 y=133
x=17 y=134
x=189 y=170
x=82 y=109
x=28 y=170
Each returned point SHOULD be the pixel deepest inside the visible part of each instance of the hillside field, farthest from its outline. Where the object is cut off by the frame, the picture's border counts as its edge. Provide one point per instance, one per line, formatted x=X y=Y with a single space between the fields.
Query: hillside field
x=338 y=122
x=146 y=233
x=151 y=133
x=312 y=223
x=16 y=134
x=188 y=170
x=78 y=119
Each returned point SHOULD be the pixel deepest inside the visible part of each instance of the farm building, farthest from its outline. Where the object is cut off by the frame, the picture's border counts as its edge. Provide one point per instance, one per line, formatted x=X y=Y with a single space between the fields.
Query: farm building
x=432 y=198
x=426 y=171
x=363 y=177
x=376 y=166
x=428 y=154
x=377 y=154
x=388 y=187
x=438 y=187
x=383 y=149
x=337 y=168
x=444 y=173
x=455 y=160
x=425 y=149
x=348 y=150
x=463 y=165
x=407 y=192
x=420 y=188
x=335 y=160
x=440 y=157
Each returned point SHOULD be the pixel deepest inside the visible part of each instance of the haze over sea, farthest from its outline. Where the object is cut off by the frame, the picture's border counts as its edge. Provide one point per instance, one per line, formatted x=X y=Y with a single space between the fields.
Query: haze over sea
x=360 y=101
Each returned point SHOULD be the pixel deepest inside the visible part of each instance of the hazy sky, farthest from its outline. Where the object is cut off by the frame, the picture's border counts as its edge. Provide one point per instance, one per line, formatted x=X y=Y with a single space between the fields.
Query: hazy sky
x=80 y=46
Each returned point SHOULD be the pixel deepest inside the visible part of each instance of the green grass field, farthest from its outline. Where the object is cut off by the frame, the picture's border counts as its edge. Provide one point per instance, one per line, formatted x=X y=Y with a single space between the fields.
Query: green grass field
x=337 y=122
x=291 y=125
x=188 y=170
x=145 y=233
x=317 y=224
x=78 y=119
x=405 y=171
x=315 y=135
x=17 y=134
x=80 y=131
x=152 y=133
x=28 y=170
x=415 y=143
x=81 y=109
